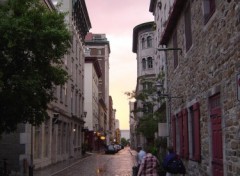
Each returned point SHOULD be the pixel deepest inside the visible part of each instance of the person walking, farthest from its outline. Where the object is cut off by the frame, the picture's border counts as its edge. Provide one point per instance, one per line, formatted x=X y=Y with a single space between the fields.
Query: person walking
x=139 y=157
x=141 y=153
x=149 y=165
x=173 y=164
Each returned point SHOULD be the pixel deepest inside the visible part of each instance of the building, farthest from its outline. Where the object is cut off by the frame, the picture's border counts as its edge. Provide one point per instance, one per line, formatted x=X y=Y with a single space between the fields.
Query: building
x=147 y=71
x=204 y=74
x=60 y=137
x=112 y=113
x=99 y=47
x=125 y=134
x=133 y=125
x=117 y=132
x=92 y=73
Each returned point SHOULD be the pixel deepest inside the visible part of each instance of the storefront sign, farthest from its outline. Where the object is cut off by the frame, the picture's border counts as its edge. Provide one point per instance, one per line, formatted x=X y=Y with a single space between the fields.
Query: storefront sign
x=238 y=86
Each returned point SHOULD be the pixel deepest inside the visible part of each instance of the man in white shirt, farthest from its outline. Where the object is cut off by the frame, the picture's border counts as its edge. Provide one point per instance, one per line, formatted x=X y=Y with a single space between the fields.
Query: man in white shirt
x=140 y=155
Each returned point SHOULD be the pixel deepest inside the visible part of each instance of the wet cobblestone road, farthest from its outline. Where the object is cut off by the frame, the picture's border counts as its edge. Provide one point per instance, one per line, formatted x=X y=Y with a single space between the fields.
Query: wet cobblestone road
x=119 y=164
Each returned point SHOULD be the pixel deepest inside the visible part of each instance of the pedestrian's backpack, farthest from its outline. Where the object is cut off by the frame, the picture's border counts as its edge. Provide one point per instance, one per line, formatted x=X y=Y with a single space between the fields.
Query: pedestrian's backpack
x=174 y=166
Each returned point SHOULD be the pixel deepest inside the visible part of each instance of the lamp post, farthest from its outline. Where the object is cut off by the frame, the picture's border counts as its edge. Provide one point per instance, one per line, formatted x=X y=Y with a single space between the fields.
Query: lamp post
x=168 y=105
x=167 y=95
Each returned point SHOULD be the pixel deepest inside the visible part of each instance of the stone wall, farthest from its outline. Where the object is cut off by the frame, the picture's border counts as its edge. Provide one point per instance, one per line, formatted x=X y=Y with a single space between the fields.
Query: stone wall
x=210 y=66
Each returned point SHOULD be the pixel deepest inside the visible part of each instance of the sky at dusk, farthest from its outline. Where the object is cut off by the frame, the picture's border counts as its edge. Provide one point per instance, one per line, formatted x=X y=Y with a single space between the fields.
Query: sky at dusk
x=116 y=19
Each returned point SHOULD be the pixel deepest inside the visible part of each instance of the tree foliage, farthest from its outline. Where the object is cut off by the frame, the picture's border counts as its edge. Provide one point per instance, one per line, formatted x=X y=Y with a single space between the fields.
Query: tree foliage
x=148 y=122
x=124 y=141
x=33 y=41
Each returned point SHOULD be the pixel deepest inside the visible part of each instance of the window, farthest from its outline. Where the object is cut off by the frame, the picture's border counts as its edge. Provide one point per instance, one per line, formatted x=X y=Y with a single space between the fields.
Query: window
x=185 y=143
x=143 y=43
x=61 y=93
x=150 y=63
x=76 y=103
x=173 y=131
x=76 y=74
x=147 y=108
x=37 y=142
x=71 y=68
x=149 y=41
x=188 y=29
x=144 y=85
x=66 y=59
x=144 y=63
x=179 y=137
x=99 y=51
x=186 y=133
x=209 y=9
x=180 y=133
x=65 y=93
x=46 y=139
x=147 y=85
x=194 y=132
x=175 y=52
x=71 y=102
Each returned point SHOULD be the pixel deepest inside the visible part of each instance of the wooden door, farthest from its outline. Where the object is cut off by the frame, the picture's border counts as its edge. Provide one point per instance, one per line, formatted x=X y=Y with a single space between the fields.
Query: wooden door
x=217 y=146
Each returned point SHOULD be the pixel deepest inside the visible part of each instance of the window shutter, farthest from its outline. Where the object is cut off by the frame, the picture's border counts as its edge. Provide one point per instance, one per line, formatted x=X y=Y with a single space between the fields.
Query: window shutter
x=185 y=134
x=174 y=132
x=196 y=111
x=180 y=125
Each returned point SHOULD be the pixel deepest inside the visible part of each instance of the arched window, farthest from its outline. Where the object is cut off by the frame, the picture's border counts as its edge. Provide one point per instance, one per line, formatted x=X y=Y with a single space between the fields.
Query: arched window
x=143 y=43
x=150 y=62
x=149 y=41
x=144 y=63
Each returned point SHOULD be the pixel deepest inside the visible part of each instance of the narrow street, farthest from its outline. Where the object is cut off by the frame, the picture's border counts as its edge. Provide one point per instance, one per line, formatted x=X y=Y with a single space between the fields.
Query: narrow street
x=119 y=164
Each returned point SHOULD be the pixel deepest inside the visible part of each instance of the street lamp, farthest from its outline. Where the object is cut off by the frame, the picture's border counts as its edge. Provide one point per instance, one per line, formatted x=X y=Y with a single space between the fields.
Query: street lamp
x=165 y=129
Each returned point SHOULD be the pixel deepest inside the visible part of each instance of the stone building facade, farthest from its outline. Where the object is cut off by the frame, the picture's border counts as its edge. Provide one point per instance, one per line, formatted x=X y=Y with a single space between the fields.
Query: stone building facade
x=61 y=136
x=99 y=47
x=147 y=68
x=205 y=121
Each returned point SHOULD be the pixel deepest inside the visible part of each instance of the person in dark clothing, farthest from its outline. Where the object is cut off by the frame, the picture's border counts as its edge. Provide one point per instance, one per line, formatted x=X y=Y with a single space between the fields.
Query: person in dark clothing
x=172 y=164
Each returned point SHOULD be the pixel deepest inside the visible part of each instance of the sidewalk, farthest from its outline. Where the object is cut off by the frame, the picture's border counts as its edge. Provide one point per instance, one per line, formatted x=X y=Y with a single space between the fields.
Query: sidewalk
x=55 y=168
x=134 y=154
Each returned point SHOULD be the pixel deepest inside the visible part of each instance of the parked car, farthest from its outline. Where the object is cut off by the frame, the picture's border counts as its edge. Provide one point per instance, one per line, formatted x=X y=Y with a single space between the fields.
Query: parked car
x=117 y=147
x=122 y=146
x=110 y=149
